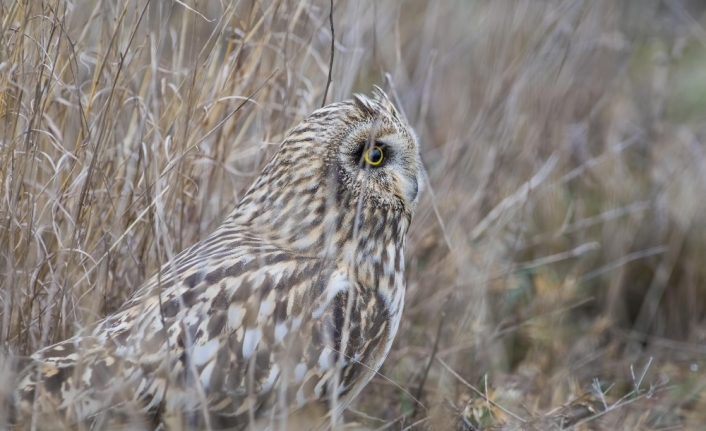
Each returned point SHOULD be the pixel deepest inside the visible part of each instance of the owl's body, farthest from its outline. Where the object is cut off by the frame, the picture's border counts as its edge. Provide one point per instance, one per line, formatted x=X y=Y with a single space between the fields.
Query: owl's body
x=294 y=300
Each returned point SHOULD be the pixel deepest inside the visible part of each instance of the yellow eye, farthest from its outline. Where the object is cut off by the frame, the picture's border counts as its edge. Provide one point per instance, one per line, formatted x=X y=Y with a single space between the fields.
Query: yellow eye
x=373 y=156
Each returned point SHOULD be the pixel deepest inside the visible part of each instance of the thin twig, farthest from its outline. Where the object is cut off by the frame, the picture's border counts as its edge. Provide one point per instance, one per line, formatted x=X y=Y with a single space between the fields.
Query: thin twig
x=519 y=196
x=477 y=391
x=507 y=330
x=415 y=424
x=629 y=398
x=330 y=63
x=435 y=349
x=381 y=375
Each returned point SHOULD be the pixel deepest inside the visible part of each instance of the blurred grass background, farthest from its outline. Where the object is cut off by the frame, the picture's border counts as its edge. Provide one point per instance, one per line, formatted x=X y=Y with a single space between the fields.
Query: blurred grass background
x=556 y=265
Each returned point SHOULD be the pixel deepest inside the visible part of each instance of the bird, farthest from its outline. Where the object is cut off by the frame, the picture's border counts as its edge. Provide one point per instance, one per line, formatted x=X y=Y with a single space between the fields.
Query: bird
x=293 y=302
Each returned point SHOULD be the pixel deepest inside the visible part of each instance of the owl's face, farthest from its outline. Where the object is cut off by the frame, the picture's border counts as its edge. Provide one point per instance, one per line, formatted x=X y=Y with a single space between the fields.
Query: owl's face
x=378 y=155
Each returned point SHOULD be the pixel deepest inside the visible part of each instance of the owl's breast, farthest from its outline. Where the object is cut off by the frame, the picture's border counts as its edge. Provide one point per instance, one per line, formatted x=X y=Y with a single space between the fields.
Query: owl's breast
x=356 y=328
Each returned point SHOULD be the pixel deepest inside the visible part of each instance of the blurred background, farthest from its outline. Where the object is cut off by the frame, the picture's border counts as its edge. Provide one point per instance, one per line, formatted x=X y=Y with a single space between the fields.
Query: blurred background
x=556 y=264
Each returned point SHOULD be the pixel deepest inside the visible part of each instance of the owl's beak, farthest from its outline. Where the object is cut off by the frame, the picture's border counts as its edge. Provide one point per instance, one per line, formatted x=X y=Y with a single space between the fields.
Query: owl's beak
x=410 y=189
x=413 y=190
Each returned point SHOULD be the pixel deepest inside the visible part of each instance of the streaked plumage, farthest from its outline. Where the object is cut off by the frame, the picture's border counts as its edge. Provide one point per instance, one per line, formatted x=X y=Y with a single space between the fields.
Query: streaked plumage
x=247 y=324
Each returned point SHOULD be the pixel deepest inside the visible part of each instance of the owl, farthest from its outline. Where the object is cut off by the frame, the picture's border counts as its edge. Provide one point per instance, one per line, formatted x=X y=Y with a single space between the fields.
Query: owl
x=293 y=302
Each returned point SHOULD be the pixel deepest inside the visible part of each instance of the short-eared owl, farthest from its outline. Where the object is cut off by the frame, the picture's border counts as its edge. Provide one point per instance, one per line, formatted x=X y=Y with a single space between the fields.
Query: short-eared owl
x=294 y=300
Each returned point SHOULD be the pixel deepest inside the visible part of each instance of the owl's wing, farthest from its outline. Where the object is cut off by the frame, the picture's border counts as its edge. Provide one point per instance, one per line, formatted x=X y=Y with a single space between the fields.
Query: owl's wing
x=219 y=336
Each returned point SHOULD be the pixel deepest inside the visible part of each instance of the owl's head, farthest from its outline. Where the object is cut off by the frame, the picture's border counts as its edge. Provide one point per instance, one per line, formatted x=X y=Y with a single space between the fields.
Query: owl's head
x=377 y=155
x=353 y=157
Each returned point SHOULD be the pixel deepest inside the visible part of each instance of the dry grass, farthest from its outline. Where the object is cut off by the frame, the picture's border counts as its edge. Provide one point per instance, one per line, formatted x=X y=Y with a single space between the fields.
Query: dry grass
x=557 y=277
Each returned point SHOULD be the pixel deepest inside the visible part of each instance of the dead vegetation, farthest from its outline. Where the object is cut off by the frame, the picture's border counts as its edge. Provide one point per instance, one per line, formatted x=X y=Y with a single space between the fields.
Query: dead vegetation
x=556 y=266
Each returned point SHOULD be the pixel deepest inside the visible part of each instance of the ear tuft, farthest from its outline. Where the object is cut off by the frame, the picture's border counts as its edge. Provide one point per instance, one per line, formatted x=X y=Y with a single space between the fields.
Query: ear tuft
x=365 y=104
x=385 y=101
x=372 y=106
